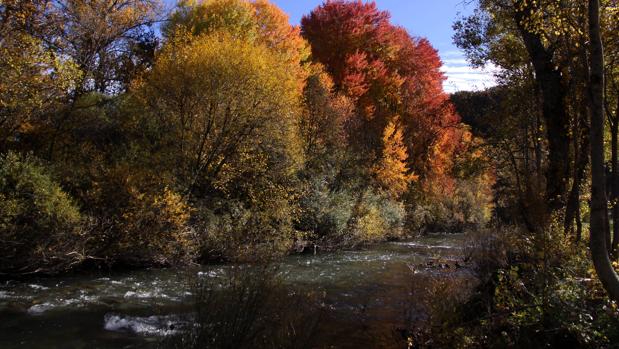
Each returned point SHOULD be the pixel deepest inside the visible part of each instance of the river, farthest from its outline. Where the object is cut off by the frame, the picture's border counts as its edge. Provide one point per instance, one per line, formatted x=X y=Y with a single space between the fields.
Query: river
x=368 y=293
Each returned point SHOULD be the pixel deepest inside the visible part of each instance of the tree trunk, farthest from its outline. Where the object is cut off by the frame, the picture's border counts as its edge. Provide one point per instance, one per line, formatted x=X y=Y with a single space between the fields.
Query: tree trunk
x=581 y=149
x=614 y=185
x=548 y=76
x=599 y=213
x=614 y=132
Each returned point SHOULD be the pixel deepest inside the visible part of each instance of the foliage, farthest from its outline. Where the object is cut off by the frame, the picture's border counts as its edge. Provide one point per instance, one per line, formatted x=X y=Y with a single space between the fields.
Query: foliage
x=346 y=217
x=257 y=22
x=392 y=171
x=246 y=116
x=376 y=217
x=324 y=122
x=229 y=230
x=468 y=207
x=387 y=73
x=155 y=229
x=237 y=140
x=35 y=79
x=223 y=138
x=39 y=222
x=535 y=291
x=110 y=41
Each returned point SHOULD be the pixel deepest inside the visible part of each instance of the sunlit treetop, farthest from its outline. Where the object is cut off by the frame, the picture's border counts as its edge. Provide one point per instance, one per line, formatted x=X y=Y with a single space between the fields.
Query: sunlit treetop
x=256 y=21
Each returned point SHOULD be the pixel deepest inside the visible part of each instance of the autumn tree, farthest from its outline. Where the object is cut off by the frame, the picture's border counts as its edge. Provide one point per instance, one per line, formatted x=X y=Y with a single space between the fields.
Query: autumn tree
x=206 y=128
x=386 y=72
x=35 y=79
x=392 y=171
x=258 y=22
x=106 y=39
x=325 y=119
x=225 y=115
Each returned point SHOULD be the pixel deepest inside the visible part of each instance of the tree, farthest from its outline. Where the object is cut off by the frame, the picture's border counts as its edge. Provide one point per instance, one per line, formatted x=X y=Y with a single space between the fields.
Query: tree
x=541 y=41
x=599 y=206
x=386 y=72
x=104 y=38
x=392 y=171
x=324 y=121
x=216 y=100
x=258 y=22
x=35 y=79
x=609 y=19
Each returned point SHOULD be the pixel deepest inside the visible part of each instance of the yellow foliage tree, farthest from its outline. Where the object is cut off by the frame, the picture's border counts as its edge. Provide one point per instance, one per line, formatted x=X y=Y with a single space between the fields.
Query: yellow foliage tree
x=35 y=79
x=392 y=172
x=227 y=114
x=259 y=22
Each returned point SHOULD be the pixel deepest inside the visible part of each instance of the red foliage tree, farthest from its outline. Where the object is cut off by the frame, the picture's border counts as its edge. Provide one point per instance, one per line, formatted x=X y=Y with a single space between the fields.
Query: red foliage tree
x=387 y=72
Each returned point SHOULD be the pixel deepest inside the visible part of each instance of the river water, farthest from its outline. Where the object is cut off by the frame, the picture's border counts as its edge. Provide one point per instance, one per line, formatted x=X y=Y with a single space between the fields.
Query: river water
x=368 y=294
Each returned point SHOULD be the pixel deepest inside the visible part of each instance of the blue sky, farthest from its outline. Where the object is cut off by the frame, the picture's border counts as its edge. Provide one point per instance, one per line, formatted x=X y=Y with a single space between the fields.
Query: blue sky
x=428 y=18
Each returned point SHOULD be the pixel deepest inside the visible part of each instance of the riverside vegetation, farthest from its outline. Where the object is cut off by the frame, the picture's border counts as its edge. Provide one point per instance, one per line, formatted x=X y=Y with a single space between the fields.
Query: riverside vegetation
x=135 y=137
x=231 y=135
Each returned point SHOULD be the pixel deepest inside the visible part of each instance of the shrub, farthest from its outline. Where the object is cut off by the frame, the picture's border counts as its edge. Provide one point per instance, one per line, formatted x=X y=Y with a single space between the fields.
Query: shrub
x=231 y=230
x=38 y=220
x=376 y=218
x=539 y=290
x=324 y=212
x=467 y=207
x=155 y=231
x=346 y=217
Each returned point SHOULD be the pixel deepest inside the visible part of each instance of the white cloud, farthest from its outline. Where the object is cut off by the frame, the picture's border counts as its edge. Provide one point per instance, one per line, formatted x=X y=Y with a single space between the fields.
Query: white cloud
x=455 y=61
x=462 y=77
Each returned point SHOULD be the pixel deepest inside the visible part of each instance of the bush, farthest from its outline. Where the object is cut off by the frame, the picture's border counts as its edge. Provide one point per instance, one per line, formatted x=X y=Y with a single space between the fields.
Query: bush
x=38 y=220
x=537 y=291
x=346 y=217
x=231 y=230
x=324 y=212
x=377 y=218
x=467 y=207
x=155 y=230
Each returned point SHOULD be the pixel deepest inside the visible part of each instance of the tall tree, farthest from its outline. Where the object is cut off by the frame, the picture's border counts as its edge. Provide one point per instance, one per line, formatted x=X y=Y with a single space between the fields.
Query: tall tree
x=104 y=38
x=386 y=72
x=259 y=22
x=220 y=102
x=599 y=207
x=540 y=40
x=548 y=76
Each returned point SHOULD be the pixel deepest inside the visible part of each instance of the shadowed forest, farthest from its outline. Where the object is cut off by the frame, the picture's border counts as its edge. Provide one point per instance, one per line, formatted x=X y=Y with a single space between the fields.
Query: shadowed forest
x=136 y=138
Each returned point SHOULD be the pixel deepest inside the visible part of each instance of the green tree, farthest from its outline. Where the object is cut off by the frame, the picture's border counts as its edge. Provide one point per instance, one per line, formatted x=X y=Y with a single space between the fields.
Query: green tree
x=38 y=220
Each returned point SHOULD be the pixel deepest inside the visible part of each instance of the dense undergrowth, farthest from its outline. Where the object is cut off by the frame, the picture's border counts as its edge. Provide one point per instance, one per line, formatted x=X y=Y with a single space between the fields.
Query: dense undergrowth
x=534 y=291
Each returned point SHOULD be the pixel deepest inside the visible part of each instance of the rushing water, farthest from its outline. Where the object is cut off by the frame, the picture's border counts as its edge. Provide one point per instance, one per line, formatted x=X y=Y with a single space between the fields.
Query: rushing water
x=367 y=292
